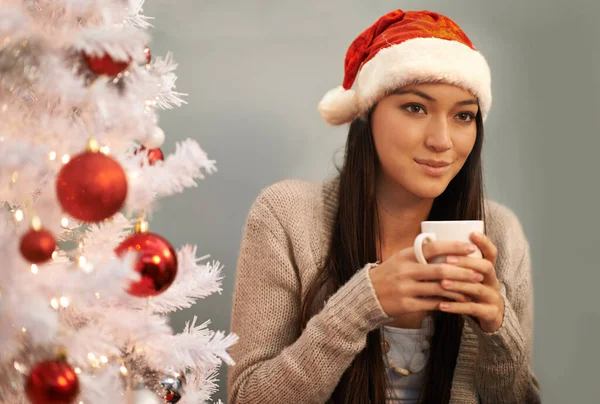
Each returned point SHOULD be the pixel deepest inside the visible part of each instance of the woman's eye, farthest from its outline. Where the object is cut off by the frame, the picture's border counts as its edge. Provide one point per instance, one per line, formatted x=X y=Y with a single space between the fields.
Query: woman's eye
x=465 y=116
x=414 y=109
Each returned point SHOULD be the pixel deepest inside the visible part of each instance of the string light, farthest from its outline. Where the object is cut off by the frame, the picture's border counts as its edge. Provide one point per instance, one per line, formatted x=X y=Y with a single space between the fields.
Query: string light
x=14 y=176
x=23 y=329
x=18 y=215
x=105 y=150
x=123 y=370
x=85 y=266
x=64 y=222
x=52 y=155
x=54 y=255
x=93 y=361
x=36 y=223
x=34 y=269
x=65 y=159
x=77 y=370
x=64 y=302
x=54 y=304
x=21 y=368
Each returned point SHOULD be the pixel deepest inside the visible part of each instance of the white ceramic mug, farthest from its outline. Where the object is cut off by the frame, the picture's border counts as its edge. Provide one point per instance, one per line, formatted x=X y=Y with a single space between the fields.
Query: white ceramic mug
x=459 y=230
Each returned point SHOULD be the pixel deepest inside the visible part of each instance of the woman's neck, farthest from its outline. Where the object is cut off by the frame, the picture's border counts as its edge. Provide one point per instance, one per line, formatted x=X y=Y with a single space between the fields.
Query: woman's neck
x=400 y=216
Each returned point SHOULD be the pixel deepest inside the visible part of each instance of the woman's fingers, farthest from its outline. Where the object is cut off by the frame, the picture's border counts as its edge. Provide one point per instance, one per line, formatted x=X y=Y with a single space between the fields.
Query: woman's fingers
x=437 y=272
x=480 y=265
x=447 y=247
x=487 y=248
x=434 y=289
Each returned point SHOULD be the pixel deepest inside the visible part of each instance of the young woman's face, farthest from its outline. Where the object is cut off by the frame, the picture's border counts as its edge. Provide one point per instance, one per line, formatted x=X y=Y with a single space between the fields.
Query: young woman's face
x=423 y=135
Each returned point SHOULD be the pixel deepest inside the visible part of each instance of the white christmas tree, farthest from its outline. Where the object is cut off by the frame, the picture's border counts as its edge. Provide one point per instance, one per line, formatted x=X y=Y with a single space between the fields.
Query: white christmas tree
x=85 y=285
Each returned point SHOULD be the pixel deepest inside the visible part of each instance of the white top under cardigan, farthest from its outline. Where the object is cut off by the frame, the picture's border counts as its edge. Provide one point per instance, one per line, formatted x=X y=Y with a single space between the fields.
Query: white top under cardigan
x=404 y=343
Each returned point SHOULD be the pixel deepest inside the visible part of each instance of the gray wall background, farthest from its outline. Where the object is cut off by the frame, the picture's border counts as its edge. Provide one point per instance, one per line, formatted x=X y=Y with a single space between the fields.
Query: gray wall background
x=255 y=70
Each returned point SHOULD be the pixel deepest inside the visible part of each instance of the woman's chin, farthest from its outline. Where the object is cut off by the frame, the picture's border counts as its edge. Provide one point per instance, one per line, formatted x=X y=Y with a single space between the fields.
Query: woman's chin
x=430 y=189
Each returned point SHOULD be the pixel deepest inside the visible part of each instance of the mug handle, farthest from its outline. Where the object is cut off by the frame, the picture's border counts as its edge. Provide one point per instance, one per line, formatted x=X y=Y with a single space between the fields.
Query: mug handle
x=418 y=246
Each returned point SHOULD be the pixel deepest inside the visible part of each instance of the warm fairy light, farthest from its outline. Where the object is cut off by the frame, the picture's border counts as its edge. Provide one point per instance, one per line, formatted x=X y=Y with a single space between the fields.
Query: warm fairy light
x=52 y=155
x=64 y=222
x=18 y=215
x=123 y=370
x=64 y=301
x=23 y=329
x=77 y=370
x=148 y=103
x=65 y=159
x=105 y=150
x=93 y=360
x=36 y=223
x=97 y=295
x=21 y=368
x=134 y=174
x=103 y=359
x=14 y=176
x=54 y=255
x=85 y=265
x=54 y=304
x=34 y=269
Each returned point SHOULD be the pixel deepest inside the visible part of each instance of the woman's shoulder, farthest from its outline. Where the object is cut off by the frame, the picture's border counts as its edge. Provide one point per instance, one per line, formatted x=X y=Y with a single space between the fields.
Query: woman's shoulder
x=292 y=201
x=501 y=218
x=504 y=229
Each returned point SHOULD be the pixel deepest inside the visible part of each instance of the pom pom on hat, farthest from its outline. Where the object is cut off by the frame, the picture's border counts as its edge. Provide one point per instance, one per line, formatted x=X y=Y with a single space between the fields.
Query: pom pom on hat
x=339 y=106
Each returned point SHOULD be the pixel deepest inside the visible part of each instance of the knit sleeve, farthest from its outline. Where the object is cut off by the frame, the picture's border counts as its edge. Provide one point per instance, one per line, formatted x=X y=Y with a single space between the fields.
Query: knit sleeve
x=503 y=371
x=275 y=361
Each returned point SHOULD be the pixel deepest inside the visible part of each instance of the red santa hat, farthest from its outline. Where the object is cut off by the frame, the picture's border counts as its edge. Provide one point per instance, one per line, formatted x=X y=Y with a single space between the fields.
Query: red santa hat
x=404 y=48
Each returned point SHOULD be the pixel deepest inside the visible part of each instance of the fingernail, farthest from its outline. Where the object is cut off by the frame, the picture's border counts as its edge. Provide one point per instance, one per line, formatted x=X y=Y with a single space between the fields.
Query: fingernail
x=452 y=259
x=478 y=277
x=444 y=306
x=471 y=248
x=447 y=283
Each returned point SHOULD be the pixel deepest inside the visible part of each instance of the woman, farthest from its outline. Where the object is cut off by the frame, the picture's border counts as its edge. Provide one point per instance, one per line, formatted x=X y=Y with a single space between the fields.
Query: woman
x=319 y=319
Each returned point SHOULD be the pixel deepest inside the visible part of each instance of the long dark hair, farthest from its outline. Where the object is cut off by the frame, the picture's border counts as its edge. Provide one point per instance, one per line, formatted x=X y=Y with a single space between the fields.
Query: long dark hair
x=354 y=243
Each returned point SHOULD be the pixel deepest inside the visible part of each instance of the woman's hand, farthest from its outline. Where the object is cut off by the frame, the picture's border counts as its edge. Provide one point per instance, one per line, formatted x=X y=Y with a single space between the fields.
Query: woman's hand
x=487 y=305
x=404 y=286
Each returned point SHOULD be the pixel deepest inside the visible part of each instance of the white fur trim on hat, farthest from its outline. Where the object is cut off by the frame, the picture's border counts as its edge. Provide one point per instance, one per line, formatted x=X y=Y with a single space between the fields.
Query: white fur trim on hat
x=339 y=106
x=419 y=60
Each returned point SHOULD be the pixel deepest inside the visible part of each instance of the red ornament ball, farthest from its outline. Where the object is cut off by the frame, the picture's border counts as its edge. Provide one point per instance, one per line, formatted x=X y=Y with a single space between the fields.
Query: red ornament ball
x=148 y=54
x=52 y=382
x=157 y=263
x=105 y=65
x=37 y=246
x=91 y=187
x=154 y=155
